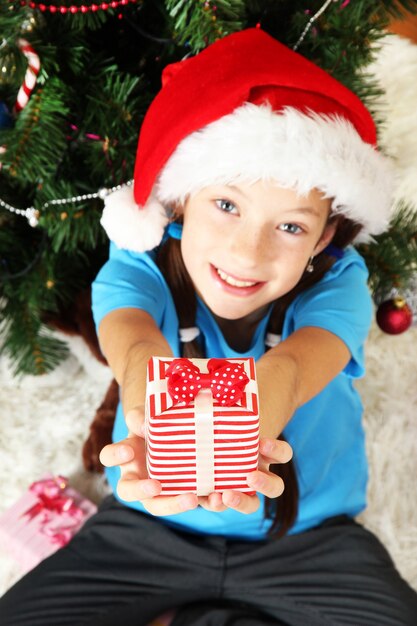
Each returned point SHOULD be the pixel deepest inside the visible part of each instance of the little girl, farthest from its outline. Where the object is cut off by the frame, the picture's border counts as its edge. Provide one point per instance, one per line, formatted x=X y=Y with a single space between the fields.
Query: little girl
x=255 y=171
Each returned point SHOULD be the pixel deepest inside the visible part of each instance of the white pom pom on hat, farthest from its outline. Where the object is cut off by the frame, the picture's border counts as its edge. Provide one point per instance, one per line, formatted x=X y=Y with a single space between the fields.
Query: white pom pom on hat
x=128 y=225
x=248 y=108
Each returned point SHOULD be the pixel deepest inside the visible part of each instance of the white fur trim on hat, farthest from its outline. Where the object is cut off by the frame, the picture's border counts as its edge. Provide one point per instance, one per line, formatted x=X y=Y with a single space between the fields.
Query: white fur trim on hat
x=130 y=226
x=296 y=150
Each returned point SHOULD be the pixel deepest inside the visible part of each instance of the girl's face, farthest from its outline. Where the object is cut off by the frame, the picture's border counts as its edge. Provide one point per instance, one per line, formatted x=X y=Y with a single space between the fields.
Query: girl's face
x=244 y=246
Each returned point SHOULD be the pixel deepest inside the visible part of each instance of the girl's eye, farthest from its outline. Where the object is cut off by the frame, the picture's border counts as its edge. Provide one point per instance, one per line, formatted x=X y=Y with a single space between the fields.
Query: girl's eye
x=225 y=205
x=293 y=229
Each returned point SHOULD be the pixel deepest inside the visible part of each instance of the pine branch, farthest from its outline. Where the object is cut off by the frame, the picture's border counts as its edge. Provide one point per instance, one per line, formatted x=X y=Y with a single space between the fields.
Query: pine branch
x=37 y=141
x=12 y=16
x=35 y=279
x=199 y=23
x=30 y=346
x=392 y=256
x=75 y=227
x=115 y=104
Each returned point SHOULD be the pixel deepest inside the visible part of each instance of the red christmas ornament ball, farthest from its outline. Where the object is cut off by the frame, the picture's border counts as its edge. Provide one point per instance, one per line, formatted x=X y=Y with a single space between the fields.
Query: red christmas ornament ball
x=394 y=316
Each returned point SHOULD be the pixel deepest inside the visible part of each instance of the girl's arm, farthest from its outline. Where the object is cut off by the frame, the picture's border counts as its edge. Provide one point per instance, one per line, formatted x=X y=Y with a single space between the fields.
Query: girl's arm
x=295 y=371
x=128 y=339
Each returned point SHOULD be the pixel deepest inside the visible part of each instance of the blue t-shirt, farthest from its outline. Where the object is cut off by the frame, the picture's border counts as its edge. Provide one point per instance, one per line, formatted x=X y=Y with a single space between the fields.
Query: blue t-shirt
x=326 y=433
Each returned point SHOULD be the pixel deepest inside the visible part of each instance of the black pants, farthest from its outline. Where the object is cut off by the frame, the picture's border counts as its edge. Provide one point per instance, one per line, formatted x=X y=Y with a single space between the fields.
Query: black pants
x=126 y=568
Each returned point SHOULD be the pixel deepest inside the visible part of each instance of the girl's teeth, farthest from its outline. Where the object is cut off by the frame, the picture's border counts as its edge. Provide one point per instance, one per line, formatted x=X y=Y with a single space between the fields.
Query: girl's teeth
x=232 y=281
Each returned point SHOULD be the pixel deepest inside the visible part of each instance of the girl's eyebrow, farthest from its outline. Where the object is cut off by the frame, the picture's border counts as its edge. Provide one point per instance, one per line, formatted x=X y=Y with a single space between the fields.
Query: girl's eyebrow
x=237 y=190
x=308 y=210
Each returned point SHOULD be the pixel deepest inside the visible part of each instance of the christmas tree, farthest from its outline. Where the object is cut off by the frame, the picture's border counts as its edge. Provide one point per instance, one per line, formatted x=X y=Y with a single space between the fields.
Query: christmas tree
x=75 y=81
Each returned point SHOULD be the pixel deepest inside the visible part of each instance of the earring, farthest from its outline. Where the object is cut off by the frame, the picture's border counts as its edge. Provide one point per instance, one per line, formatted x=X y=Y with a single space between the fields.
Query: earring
x=310 y=266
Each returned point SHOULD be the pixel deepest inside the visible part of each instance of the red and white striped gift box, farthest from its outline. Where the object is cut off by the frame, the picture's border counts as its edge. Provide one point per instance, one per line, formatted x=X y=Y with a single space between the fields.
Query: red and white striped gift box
x=203 y=446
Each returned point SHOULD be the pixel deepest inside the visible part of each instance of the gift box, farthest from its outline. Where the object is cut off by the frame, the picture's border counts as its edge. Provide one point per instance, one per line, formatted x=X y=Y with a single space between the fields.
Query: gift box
x=202 y=424
x=43 y=520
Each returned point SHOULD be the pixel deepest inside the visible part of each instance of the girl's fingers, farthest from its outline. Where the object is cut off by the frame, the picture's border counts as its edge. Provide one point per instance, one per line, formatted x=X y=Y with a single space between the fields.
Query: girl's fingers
x=266 y=483
x=275 y=450
x=116 y=454
x=129 y=455
x=241 y=502
x=171 y=505
x=212 y=502
x=130 y=488
x=135 y=420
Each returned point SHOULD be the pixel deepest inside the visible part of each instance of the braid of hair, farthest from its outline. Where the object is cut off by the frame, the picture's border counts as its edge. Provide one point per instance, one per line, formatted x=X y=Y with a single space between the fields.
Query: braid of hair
x=171 y=264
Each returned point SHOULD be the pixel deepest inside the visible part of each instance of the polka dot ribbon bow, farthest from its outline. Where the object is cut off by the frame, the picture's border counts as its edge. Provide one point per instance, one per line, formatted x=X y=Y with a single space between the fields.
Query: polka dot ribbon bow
x=226 y=380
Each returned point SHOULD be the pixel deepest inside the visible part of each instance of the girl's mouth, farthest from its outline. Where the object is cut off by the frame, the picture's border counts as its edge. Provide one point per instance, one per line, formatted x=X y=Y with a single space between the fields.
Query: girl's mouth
x=235 y=282
x=234 y=285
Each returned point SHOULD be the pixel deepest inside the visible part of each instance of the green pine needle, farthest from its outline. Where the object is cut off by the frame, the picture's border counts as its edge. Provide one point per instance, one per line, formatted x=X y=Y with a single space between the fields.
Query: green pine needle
x=197 y=24
x=392 y=256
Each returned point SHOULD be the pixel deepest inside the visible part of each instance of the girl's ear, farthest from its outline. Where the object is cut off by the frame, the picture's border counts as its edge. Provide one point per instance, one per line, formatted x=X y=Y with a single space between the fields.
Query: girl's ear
x=326 y=237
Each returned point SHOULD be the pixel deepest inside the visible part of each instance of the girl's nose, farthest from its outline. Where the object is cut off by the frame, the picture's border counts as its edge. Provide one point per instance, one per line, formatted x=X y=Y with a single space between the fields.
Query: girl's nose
x=250 y=247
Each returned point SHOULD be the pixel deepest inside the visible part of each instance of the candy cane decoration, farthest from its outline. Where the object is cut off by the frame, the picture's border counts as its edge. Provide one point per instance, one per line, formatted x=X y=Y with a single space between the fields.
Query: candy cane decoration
x=30 y=76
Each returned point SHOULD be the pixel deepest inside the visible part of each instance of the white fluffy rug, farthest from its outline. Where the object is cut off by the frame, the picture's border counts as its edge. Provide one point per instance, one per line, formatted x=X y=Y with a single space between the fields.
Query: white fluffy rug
x=44 y=422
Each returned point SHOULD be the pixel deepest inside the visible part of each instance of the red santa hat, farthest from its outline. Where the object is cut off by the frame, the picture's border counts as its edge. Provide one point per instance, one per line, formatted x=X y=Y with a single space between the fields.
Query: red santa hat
x=248 y=108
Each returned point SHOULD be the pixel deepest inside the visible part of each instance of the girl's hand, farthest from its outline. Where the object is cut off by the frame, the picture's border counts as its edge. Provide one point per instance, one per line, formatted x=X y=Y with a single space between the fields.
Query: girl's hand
x=262 y=480
x=134 y=483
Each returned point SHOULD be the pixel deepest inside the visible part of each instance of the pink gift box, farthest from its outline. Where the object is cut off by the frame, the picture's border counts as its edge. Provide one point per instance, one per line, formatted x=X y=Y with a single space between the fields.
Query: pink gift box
x=202 y=424
x=43 y=520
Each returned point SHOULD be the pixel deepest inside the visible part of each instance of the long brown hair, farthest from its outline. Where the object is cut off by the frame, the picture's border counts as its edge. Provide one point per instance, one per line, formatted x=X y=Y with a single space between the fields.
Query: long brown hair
x=282 y=511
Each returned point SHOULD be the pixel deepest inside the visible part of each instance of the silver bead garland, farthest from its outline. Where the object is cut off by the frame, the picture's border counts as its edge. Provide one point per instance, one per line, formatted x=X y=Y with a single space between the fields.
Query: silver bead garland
x=311 y=21
x=32 y=214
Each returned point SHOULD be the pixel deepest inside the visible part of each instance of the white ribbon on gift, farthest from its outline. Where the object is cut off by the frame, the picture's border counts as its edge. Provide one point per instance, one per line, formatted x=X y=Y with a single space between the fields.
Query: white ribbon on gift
x=204 y=442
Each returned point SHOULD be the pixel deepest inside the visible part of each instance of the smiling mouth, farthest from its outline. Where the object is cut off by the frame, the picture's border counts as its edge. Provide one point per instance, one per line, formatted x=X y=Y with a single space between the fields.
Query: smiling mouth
x=234 y=282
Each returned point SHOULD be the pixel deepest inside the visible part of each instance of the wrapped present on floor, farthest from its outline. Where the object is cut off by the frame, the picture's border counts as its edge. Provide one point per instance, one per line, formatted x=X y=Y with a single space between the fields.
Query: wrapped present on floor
x=43 y=520
x=202 y=424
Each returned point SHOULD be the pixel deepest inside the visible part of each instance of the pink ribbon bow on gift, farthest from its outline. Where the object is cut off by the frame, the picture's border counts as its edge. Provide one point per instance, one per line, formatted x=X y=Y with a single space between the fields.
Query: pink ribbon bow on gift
x=226 y=380
x=61 y=536
x=51 y=499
